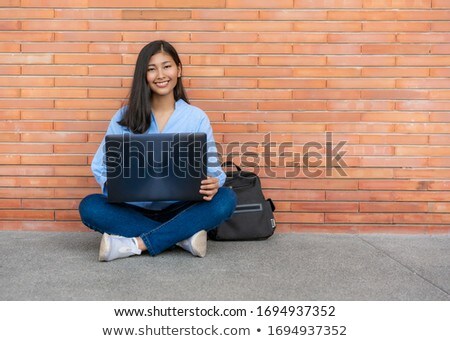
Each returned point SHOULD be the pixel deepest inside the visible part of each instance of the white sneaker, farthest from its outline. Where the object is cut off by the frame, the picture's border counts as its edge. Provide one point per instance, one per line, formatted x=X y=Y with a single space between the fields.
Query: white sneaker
x=114 y=247
x=195 y=244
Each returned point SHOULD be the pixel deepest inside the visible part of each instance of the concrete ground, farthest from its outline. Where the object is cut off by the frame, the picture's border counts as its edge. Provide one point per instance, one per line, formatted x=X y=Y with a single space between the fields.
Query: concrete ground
x=292 y=267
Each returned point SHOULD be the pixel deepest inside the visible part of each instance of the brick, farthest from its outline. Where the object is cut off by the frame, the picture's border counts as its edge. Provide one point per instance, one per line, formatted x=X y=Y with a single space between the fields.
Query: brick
x=360 y=83
x=422 y=38
x=386 y=26
x=326 y=94
x=88 y=82
x=223 y=60
x=424 y=174
x=108 y=93
x=324 y=207
x=10 y=203
x=50 y=204
x=53 y=159
x=423 y=60
x=87 y=59
x=440 y=49
x=395 y=49
x=157 y=15
x=292 y=37
x=9 y=159
x=99 y=115
x=257 y=94
x=52 y=115
x=26 y=214
x=81 y=126
x=190 y=26
x=227 y=106
x=223 y=83
x=266 y=3
x=64 y=70
x=9 y=70
x=67 y=215
x=327 y=49
x=443 y=162
x=291 y=83
x=146 y=37
x=25 y=148
x=53 y=137
x=361 y=60
x=210 y=71
x=426 y=151
x=14 y=58
x=9 y=137
x=393 y=185
x=23 y=13
x=229 y=14
x=26 y=104
x=430 y=218
x=423 y=128
x=120 y=3
x=10 y=92
x=267 y=26
x=313 y=4
x=362 y=15
x=303 y=217
x=72 y=171
x=394 y=162
x=291 y=15
x=54 y=3
x=258 y=49
x=290 y=127
x=416 y=15
x=394 y=117
x=73 y=148
x=10 y=25
x=11 y=193
x=295 y=195
x=28 y=36
x=27 y=81
x=355 y=127
x=361 y=38
x=423 y=105
x=439 y=139
x=394 y=72
x=361 y=218
x=425 y=83
x=360 y=105
x=327 y=26
x=440 y=4
x=56 y=47
x=291 y=60
x=88 y=36
x=292 y=105
x=52 y=93
x=257 y=117
x=81 y=13
x=395 y=94
x=393 y=207
x=439 y=207
x=54 y=25
x=397 y=4
x=189 y=4
x=326 y=72
x=106 y=70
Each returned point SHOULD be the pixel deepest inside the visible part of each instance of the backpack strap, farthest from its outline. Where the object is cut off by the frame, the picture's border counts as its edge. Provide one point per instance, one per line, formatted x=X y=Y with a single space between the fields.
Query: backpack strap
x=230 y=163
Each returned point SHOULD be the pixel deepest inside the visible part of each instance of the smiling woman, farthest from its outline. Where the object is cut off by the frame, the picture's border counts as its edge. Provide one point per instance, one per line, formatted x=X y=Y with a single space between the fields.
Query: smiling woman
x=157 y=104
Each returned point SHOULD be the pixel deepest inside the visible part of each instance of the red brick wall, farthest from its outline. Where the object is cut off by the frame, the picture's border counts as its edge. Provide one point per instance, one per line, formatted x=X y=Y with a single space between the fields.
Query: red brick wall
x=375 y=73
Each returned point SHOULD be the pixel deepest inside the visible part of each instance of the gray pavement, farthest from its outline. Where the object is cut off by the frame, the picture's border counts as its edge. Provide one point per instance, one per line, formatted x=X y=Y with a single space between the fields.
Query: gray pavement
x=292 y=267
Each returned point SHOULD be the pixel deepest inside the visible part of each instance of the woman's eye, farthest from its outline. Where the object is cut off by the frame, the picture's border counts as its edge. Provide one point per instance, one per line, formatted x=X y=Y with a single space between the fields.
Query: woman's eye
x=167 y=66
x=150 y=69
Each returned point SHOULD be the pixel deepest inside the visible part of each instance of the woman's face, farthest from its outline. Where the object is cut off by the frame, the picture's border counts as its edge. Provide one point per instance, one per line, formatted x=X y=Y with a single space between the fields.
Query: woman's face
x=162 y=74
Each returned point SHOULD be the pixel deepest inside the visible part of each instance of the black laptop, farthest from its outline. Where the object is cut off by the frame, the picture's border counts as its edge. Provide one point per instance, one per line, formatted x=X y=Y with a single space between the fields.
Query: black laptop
x=155 y=167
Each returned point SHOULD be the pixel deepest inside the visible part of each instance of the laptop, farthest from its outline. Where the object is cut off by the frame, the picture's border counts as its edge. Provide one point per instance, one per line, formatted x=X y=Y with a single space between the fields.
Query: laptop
x=155 y=167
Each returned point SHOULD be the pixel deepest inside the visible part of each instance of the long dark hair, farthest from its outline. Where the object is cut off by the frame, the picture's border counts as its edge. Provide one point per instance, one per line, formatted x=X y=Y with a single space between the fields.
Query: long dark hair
x=137 y=116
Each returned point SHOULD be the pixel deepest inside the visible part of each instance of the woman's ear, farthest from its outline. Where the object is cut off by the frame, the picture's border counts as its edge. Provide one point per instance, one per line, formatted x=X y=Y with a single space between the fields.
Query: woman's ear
x=179 y=70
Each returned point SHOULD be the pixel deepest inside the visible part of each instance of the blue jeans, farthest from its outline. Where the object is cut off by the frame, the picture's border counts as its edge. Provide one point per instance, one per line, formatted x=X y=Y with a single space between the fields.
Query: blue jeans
x=159 y=230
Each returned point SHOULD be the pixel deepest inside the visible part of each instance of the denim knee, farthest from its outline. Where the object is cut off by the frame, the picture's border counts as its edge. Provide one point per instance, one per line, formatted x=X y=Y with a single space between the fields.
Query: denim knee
x=87 y=206
x=227 y=202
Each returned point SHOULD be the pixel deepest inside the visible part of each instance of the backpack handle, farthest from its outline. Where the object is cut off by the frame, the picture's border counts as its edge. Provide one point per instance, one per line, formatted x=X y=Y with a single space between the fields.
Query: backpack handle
x=230 y=163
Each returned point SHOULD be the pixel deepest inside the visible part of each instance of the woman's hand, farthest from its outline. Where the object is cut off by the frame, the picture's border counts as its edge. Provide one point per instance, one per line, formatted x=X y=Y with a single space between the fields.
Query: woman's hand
x=209 y=188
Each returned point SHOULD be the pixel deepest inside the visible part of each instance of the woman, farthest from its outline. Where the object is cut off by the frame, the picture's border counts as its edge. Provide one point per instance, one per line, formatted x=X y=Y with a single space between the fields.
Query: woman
x=157 y=104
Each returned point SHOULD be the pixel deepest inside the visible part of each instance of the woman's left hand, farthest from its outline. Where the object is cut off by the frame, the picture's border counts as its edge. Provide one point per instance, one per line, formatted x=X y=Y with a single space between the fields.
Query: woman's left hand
x=209 y=188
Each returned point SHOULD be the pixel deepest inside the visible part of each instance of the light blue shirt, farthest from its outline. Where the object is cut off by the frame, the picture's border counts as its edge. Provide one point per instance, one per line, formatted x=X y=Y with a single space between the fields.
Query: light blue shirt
x=185 y=119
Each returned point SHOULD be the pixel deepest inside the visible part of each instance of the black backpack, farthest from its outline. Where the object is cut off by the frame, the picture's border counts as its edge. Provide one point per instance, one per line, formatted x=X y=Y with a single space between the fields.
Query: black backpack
x=253 y=218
